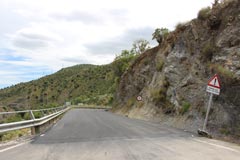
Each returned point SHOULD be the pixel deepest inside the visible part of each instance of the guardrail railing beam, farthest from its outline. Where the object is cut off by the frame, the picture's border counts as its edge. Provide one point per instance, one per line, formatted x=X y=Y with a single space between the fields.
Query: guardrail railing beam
x=34 y=123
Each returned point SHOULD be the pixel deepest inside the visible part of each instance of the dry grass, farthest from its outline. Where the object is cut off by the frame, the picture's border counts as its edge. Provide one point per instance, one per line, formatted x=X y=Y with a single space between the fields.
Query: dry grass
x=204 y=13
x=13 y=135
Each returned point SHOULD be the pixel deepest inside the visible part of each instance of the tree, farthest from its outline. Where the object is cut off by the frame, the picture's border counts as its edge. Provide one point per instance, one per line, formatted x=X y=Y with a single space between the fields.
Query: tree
x=125 y=58
x=160 y=34
x=124 y=54
x=139 y=46
x=122 y=62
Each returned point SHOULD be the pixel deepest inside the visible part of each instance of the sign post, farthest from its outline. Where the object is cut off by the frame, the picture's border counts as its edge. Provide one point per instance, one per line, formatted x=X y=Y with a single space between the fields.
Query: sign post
x=208 y=110
x=213 y=87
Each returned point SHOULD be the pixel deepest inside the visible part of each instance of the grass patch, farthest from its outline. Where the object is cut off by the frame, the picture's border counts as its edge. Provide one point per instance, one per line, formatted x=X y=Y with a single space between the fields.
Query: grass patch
x=185 y=107
x=208 y=50
x=12 y=135
x=224 y=72
x=227 y=77
x=158 y=94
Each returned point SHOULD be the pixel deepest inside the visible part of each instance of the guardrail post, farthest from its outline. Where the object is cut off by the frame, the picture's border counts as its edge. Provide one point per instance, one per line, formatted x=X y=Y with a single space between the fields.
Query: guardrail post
x=35 y=129
x=43 y=114
x=32 y=115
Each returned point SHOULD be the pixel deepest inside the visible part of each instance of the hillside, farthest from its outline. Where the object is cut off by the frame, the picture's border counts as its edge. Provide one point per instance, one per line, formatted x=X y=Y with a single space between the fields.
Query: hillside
x=60 y=87
x=89 y=84
x=172 y=77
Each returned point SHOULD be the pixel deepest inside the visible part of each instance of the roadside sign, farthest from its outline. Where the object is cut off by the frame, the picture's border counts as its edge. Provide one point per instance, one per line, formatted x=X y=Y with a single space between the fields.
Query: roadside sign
x=213 y=90
x=214 y=81
x=139 y=98
x=214 y=85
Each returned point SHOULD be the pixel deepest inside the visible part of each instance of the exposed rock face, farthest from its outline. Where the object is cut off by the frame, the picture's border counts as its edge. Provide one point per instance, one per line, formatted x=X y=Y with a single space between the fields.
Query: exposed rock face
x=172 y=77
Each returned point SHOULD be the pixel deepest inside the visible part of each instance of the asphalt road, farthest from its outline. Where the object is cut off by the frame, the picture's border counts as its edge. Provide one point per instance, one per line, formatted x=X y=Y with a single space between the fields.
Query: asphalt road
x=84 y=134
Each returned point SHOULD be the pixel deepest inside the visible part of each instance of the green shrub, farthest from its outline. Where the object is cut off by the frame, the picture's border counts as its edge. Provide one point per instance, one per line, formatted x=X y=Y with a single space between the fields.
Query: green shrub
x=13 y=118
x=51 y=105
x=103 y=100
x=121 y=64
x=27 y=116
x=208 y=50
x=204 y=13
x=37 y=114
x=185 y=107
x=160 y=34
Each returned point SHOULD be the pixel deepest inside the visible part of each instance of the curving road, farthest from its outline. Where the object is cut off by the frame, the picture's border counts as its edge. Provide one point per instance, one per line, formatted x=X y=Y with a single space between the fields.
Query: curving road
x=84 y=134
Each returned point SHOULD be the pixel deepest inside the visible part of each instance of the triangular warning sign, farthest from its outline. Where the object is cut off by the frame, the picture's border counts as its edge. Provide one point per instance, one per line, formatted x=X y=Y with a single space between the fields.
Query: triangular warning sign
x=214 y=81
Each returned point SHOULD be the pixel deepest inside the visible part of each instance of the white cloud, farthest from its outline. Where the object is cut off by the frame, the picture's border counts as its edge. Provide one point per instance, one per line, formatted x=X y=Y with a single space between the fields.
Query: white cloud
x=35 y=38
x=56 y=33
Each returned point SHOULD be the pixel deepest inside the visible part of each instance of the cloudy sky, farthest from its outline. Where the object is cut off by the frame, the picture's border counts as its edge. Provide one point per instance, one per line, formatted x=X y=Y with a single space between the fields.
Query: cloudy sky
x=39 y=37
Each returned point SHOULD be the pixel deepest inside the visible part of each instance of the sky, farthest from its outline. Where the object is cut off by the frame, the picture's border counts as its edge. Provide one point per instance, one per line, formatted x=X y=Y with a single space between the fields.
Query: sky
x=39 y=37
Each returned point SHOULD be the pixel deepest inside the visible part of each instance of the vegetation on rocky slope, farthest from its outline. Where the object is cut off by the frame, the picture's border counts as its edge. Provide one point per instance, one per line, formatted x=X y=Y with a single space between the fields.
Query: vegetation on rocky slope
x=172 y=77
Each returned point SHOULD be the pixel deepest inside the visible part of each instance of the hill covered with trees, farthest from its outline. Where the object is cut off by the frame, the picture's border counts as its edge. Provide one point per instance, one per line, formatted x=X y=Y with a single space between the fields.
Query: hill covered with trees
x=84 y=83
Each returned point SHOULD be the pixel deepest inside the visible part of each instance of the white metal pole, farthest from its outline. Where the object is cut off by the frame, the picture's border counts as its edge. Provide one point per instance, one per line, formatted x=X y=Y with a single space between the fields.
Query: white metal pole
x=32 y=115
x=208 y=110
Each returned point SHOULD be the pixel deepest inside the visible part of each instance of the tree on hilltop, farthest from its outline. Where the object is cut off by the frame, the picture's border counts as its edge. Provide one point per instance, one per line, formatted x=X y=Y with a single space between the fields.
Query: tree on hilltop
x=140 y=46
x=159 y=34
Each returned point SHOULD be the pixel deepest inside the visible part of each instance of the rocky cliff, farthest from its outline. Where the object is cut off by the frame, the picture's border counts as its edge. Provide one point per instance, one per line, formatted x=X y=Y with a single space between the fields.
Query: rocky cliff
x=172 y=77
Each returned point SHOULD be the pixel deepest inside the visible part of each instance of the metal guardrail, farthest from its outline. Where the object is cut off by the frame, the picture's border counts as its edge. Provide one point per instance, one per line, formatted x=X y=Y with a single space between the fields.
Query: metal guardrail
x=47 y=115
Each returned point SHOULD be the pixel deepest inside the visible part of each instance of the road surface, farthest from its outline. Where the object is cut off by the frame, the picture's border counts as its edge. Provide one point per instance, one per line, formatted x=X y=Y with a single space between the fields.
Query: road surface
x=84 y=134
